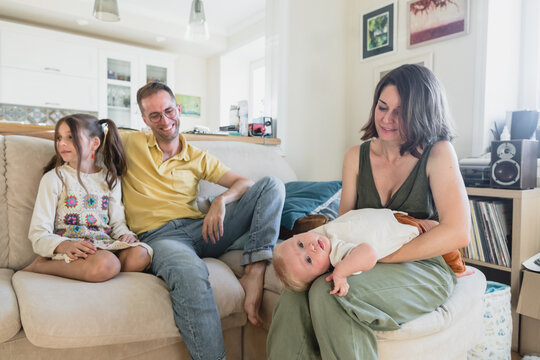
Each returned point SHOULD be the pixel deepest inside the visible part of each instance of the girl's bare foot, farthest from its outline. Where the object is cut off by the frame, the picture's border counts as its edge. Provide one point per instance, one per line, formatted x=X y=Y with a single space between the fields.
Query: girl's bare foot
x=34 y=265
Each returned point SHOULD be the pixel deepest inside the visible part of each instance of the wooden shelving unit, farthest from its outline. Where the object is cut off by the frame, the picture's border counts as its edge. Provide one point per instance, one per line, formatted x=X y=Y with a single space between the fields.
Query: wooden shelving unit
x=525 y=238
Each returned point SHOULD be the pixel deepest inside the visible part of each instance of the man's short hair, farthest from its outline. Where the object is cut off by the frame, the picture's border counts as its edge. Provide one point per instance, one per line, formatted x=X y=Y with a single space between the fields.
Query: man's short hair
x=150 y=89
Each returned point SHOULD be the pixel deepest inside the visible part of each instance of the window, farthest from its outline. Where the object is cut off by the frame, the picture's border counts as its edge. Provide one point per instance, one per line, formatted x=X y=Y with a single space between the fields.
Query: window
x=257 y=81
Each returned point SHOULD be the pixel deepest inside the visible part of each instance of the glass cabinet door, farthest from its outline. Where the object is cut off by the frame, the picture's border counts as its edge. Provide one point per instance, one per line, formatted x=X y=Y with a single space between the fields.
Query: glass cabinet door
x=156 y=73
x=119 y=91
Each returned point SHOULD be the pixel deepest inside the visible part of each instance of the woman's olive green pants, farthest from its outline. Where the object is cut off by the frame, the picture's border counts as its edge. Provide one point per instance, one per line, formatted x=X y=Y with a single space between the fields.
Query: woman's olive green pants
x=314 y=323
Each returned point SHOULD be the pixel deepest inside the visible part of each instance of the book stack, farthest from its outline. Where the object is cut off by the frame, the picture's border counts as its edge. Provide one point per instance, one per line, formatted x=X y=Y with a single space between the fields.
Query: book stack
x=491 y=232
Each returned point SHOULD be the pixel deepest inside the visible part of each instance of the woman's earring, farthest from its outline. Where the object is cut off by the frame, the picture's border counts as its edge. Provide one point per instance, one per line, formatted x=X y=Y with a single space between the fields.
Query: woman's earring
x=92 y=155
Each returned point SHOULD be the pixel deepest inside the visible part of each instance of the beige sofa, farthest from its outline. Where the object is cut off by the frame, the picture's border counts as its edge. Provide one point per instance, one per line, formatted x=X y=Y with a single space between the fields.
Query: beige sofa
x=130 y=316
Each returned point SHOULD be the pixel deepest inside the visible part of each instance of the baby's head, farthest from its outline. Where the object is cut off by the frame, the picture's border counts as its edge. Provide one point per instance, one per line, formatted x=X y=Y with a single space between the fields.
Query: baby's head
x=301 y=259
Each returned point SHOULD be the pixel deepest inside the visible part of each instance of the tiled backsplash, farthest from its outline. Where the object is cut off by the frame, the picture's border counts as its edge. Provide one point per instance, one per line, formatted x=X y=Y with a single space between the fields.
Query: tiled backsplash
x=35 y=115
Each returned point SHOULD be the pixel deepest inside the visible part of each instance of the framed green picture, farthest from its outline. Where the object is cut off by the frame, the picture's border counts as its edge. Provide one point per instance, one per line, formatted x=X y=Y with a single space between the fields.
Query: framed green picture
x=378 y=28
x=189 y=105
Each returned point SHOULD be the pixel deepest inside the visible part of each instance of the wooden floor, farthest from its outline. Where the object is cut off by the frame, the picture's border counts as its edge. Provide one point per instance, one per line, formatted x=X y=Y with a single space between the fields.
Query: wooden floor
x=516 y=356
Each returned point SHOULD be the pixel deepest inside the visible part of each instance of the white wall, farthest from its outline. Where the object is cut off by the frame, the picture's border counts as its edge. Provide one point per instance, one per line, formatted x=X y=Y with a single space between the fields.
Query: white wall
x=190 y=79
x=315 y=104
x=214 y=71
x=454 y=63
x=213 y=86
x=235 y=67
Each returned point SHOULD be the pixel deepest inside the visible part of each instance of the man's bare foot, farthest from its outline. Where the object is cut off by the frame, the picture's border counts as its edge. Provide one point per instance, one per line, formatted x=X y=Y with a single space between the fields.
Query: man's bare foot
x=34 y=265
x=252 y=282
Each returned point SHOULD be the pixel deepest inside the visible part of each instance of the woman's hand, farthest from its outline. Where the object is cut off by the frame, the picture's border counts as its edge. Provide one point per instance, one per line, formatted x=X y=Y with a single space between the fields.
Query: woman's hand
x=128 y=238
x=341 y=286
x=76 y=249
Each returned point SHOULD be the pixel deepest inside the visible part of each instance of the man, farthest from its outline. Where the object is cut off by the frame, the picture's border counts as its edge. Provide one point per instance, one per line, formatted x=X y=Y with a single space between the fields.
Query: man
x=159 y=193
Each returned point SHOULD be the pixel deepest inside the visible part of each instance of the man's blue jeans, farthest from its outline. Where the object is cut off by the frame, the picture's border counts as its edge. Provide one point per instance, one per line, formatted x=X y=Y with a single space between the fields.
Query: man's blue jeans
x=178 y=249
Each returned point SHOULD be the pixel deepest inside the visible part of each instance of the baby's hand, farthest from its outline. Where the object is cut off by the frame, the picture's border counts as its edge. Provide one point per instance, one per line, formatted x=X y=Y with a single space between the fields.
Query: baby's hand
x=128 y=238
x=341 y=286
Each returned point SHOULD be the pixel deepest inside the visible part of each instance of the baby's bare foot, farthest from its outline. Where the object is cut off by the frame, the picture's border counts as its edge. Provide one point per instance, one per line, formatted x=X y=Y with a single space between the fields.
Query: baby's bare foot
x=252 y=282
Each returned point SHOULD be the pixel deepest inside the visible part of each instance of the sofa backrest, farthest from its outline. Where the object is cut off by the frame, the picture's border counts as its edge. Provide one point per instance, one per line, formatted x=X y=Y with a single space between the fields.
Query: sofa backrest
x=22 y=159
x=25 y=158
x=250 y=160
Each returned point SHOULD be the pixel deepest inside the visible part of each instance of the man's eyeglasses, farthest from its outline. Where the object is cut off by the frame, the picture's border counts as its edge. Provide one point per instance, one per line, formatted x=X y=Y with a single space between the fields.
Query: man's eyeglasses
x=155 y=117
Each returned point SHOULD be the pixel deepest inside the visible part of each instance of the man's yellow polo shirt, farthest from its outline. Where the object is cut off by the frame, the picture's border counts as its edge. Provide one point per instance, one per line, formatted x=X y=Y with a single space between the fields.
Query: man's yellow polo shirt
x=155 y=192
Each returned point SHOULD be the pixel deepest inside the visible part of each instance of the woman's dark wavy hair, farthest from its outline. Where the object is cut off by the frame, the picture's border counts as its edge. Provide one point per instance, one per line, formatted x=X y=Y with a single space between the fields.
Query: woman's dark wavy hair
x=424 y=116
x=110 y=144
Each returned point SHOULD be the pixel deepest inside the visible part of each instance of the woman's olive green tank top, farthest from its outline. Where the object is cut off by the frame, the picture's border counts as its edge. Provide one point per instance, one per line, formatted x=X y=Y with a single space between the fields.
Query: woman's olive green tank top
x=413 y=197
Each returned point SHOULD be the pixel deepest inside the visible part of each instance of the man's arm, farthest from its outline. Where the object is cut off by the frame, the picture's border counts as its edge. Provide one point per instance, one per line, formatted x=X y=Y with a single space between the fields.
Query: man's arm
x=213 y=222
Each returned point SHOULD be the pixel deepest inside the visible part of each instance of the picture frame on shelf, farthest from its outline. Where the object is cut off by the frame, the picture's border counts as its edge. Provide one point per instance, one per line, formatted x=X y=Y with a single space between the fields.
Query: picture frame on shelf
x=423 y=59
x=378 y=31
x=430 y=21
x=189 y=105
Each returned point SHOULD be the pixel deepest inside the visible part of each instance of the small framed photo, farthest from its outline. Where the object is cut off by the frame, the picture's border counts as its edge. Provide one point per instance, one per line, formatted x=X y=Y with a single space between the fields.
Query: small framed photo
x=189 y=105
x=433 y=20
x=378 y=29
x=424 y=60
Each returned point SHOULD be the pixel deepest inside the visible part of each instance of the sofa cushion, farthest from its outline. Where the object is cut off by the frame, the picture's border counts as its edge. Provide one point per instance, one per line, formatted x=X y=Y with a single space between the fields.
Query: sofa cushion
x=25 y=159
x=64 y=313
x=303 y=198
x=10 y=322
x=3 y=207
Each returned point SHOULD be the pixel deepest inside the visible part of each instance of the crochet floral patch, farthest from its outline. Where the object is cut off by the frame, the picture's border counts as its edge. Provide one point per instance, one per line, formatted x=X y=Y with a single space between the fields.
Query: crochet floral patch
x=90 y=201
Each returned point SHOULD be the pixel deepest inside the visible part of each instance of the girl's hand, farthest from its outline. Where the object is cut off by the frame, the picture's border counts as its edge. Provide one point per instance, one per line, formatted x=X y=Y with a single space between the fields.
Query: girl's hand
x=76 y=249
x=341 y=286
x=128 y=238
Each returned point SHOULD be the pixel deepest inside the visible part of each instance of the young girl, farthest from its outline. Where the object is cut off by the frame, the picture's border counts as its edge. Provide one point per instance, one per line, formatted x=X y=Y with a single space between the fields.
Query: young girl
x=78 y=216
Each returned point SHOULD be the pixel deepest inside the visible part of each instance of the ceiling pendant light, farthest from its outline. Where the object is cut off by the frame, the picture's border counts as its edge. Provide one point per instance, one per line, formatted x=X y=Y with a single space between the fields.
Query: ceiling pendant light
x=106 y=10
x=197 y=28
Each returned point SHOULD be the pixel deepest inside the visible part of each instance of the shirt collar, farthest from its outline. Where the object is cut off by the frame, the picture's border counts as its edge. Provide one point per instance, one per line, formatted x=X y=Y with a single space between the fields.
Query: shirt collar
x=183 y=155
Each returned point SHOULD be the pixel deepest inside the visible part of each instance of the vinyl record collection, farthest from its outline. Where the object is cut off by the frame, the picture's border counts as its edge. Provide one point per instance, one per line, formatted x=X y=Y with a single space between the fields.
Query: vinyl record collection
x=491 y=231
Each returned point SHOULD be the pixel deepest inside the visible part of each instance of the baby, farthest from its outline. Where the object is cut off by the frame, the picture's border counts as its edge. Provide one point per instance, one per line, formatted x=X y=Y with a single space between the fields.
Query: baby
x=351 y=244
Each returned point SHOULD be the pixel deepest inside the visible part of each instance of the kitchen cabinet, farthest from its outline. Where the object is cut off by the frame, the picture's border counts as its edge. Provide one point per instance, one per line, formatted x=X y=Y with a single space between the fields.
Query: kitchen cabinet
x=30 y=51
x=42 y=70
x=52 y=69
x=122 y=74
x=34 y=88
x=117 y=95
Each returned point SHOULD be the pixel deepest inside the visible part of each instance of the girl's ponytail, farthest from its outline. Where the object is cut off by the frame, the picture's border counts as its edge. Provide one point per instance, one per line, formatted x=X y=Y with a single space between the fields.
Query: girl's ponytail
x=113 y=153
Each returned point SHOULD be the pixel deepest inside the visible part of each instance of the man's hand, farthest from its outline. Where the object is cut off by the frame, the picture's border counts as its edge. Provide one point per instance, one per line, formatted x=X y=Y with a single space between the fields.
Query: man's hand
x=128 y=238
x=76 y=249
x=341 y=286
x=213 y=221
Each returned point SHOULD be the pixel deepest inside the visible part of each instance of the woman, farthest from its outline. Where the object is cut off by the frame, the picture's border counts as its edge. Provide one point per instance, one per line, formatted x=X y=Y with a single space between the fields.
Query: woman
x=408 y=165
